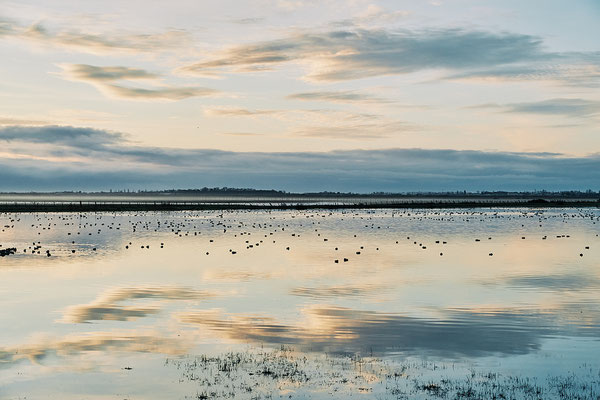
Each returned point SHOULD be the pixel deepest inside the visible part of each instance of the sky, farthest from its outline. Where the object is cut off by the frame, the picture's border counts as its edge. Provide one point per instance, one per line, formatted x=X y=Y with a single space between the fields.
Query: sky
x=293 y=95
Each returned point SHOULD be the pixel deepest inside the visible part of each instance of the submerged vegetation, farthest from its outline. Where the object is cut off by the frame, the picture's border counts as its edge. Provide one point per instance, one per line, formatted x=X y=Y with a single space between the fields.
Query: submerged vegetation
x=259 y=373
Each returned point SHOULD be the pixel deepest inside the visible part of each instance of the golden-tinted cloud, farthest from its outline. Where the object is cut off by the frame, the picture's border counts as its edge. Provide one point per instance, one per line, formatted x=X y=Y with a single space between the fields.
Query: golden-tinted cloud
x=98 y=42
x=361 y=53
x=104 y=78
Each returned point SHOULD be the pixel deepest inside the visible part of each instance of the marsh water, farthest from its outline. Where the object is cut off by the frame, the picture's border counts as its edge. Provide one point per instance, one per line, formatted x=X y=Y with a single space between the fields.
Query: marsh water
x=364 y=303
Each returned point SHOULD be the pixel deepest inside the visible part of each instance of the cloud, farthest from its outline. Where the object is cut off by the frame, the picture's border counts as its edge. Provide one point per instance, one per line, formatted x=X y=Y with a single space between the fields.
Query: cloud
x=373 y=16
x=357 y=131
x=86 y=72
x=241 y=134
x=564 y=107
x=102 y=42
x=106 y=307
x=237 y=112
x=570 y=69
x=103 y=79
x=7 y=27
x=248 y=21
x=61 y=135
x=176 y=93
x=560 y=106
x=352 y=54
x=21 y=121
x=107 y=160
x=337 y=97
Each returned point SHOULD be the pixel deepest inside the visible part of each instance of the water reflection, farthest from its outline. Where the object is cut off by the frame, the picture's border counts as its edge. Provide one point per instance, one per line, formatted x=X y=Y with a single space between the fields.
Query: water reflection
x=453 y=284
x=98 y=341
x=463 y=333
x=107 y=306
x=339 y=291
x=572 y=282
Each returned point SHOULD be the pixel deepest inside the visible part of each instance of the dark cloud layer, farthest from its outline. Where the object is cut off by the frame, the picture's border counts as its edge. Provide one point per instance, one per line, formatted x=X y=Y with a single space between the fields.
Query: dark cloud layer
x=60 y=135
x=108 y=160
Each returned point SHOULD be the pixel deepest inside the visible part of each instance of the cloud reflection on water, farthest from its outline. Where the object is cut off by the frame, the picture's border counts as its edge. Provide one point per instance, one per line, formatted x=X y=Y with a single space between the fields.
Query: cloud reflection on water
x=337 y=291
x=106 y=307
x=93 y=342
x=463 y=332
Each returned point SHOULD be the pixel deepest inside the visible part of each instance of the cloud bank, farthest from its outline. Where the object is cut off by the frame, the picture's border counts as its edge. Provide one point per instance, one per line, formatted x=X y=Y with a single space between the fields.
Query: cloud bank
x=72 y=158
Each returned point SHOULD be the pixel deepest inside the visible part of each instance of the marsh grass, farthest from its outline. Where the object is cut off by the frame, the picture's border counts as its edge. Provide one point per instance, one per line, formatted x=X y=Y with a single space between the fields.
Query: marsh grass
x=284 y=373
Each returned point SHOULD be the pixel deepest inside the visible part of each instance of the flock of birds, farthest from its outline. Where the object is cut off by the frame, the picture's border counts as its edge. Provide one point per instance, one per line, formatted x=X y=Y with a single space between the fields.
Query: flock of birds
x=100 y=229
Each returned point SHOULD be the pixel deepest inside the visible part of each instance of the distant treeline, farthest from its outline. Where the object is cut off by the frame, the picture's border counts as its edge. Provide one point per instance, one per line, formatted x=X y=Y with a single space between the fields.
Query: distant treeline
x=226 y=191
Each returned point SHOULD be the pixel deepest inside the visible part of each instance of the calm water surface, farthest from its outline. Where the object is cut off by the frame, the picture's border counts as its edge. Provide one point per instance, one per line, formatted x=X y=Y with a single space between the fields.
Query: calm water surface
x=126 y=302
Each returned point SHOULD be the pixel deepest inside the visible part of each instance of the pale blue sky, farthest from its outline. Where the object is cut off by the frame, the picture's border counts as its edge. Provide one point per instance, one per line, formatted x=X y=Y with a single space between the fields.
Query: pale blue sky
x=293 y=81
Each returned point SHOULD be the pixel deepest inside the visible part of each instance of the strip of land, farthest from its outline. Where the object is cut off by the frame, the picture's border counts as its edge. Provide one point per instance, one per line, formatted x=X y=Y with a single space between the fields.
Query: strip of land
x=265 y=204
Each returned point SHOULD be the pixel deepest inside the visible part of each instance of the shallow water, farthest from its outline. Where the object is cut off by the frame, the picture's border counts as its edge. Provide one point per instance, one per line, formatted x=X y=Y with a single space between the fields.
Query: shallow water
x=501 y=291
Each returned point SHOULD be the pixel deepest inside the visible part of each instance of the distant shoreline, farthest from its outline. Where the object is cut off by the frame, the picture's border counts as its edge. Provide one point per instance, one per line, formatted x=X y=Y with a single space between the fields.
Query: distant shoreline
x=265 y=204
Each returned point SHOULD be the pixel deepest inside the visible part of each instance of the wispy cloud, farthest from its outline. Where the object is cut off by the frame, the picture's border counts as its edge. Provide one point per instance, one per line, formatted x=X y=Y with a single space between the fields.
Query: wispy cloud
x=564 y=107
x=241 y=134
x=104 y=78
x=236 y=112
x=572 y=69
x=248 y=21
x=98 y=42
x=94 y=73
x=4 y=120
x=337 y=97
x=170 y=93
x=373 y=15
x=353 y=54
x=357 y=131
x=7 y=27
